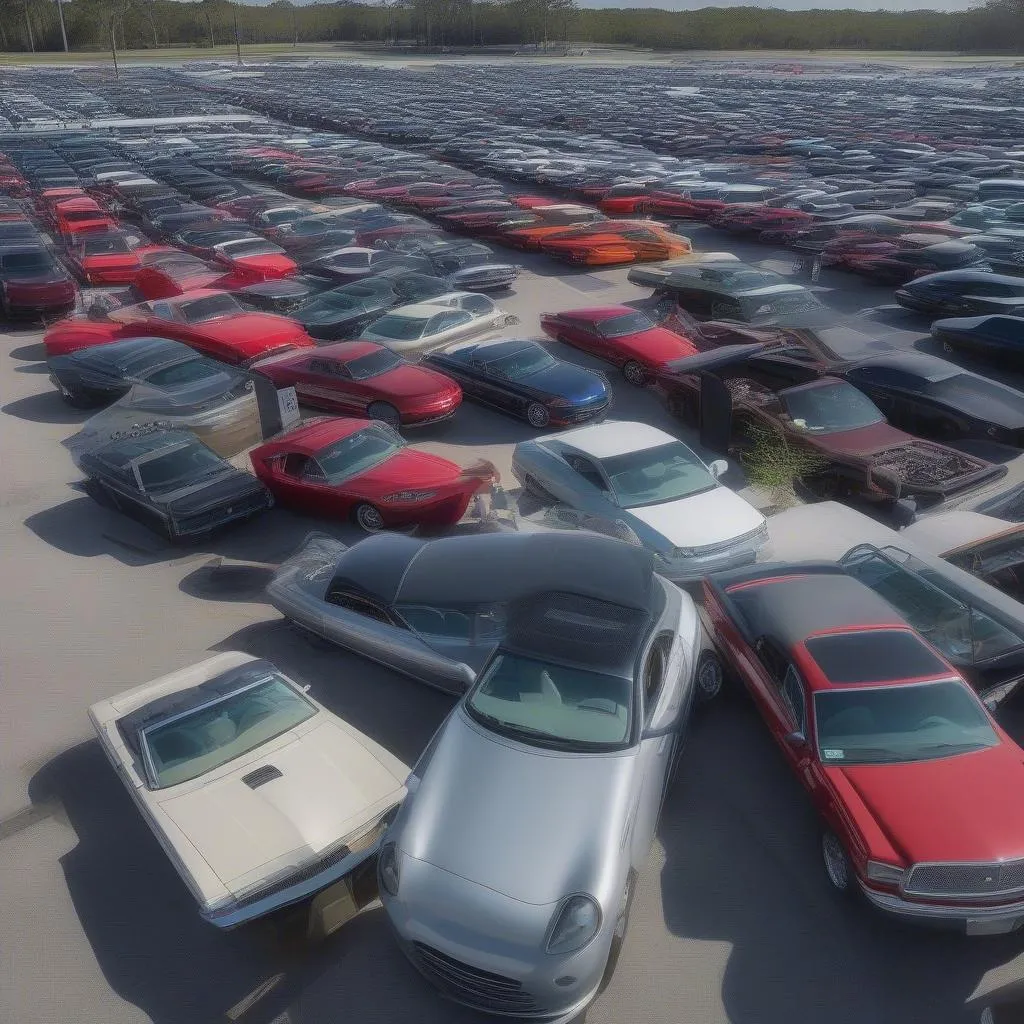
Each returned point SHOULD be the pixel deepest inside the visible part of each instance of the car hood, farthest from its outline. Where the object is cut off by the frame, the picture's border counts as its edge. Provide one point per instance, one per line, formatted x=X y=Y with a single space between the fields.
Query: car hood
x=413 y=382
x=330 y=786
x=713 y=517
x=220 y=489
x=964 y=808
x=248 y=333
x=870 y=440
x=658 y=345
x=37 y=278
x=566 y=380
x=532 y=824
x=408 y=470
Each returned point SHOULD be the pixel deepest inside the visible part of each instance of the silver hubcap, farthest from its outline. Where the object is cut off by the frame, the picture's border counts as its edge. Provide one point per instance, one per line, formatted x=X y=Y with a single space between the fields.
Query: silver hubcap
x=709 y=678
x=370 y=519
x=537 y=415
x=835 y=862
x=633 y=373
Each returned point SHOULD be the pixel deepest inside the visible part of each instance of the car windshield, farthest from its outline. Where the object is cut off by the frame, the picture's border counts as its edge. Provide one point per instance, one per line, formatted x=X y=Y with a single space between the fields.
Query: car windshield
x=550 y=705
x=897 y=724
x=358 y=452
x=830 y=408
x=200 y=741
x=25 y=261
x=188 y=372
x=103 y=246
x=651 y=476
x=399 y=328
x=178 y=466
x=628 y=323
x=212 y=308
x=524 y=362
x=332 y=303
x=373 y=364
x=765 y=306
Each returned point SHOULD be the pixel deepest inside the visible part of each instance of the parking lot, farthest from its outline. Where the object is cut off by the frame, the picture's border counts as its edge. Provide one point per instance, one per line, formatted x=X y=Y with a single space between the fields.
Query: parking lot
x=734 y=919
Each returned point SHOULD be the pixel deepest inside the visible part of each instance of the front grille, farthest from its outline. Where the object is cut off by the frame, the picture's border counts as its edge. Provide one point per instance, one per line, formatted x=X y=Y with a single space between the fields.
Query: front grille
x=588 y=412
x=967 y=880
x=468 y=984
x=224 y=513
x=746 y=540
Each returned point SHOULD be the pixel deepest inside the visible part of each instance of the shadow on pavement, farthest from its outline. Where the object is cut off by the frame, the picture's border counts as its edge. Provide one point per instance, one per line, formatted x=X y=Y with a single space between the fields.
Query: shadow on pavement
x=32 y=353
x=46 y=407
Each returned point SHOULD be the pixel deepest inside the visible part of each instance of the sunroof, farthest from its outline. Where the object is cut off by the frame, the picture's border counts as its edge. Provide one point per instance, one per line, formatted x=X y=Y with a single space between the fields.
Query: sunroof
x=874 y=656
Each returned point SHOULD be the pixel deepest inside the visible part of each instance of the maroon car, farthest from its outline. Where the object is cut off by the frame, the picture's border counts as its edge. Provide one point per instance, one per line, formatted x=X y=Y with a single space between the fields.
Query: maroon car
x=33 y=283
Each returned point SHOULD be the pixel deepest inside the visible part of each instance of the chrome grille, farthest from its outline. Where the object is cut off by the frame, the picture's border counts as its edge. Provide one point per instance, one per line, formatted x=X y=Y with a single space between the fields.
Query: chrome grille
x=967 y=880
x=735 y=542
x=468 y=984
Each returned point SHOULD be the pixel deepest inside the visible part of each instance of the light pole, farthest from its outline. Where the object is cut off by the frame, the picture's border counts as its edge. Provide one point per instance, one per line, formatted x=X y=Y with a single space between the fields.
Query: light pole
x=63 y=31
x=238 y=45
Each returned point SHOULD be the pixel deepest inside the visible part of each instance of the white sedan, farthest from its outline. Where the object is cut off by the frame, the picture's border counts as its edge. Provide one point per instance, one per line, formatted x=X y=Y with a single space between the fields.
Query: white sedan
x=259 y=795
x=454 y=316
x=651 y=485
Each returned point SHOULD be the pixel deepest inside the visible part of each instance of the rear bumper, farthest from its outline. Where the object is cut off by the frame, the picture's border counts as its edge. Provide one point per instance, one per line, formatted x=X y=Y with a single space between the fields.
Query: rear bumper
x=988 y=920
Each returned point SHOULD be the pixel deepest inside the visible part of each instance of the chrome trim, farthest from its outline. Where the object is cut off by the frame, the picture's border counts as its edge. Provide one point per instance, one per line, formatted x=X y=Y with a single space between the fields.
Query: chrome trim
x=894 y=904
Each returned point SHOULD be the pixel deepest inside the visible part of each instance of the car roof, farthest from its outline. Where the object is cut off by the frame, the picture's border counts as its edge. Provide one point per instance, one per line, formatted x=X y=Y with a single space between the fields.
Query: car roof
x=491 y=348
x=316 y=435
x=598 y=312
x=422 y=311
x=494 y=568
x=136 y=353
x=605 y=440
x=146 y=443
x=343 y=350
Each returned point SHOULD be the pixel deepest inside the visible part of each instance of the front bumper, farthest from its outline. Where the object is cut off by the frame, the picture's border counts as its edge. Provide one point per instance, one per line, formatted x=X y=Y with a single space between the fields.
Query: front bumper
x=690 y=570
x=981 y=920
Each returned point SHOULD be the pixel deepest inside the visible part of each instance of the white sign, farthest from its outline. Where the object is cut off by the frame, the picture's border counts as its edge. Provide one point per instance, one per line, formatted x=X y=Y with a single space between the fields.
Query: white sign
x=288 y=403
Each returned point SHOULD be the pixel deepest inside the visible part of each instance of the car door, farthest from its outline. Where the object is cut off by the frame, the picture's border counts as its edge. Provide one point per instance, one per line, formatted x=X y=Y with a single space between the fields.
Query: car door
x=326 y=383
x=585 y=486
x=579 y=334
x=771 y=664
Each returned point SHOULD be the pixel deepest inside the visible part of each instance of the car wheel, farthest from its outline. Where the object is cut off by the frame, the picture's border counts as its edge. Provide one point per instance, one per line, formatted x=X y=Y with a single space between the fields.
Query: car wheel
x=537 y=415
x=537 y=490
x=634 y=373
x=619 y=934
x=837 y=864
x=369 y=518
x=386 y=413
x=709 y=677
x=946 y=347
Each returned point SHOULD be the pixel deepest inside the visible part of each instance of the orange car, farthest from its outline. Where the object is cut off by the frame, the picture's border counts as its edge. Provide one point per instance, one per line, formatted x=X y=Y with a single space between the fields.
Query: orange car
x=80 y=215
x=528 y=232
x=616 y=242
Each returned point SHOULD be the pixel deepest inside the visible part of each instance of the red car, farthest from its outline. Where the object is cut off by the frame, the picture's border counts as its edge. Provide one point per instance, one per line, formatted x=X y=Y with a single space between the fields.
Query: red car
x=168 y=272
x=108 y=257
x=81 y=215
x=621 y=335
x=362 y=378
x=430 y=196
x=917 y=788
x=212 y=322
x=250 y=260
x=363 y=470
x=49 y=197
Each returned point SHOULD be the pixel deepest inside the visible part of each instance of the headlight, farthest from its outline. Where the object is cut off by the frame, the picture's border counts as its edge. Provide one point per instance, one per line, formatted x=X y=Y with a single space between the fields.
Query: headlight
x=387 y=869
x=409 y=496
x=575 y=923
x=887 y=874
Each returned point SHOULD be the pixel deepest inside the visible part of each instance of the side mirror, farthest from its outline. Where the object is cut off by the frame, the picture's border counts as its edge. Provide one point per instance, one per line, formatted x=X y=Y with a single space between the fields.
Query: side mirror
x=797 y=740
x=991 y=705
x=468 y=674
x=719 y=468
x=904 y=512
x=412 y=783
x=307 y=688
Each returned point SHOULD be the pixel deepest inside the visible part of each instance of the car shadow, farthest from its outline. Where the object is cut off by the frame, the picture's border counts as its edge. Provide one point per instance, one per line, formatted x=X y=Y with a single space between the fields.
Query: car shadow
x=743 y=869
x=32 y=353
x=46 y=407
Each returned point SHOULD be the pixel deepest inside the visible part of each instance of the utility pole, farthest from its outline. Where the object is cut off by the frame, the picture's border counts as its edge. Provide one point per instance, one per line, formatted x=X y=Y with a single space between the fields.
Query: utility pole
x=238 y=45
x=63 y=31
x=28 y=25
x=113 y=44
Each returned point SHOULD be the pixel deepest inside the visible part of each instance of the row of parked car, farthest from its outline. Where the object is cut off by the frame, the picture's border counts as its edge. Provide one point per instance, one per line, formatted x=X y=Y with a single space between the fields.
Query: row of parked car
x=575 y=659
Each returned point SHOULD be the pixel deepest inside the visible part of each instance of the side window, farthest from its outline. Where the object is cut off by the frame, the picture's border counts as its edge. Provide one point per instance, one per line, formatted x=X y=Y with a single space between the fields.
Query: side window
x=162 y=310
x=478 y=304
x=360 y=606
x=793 y=696
x=586 y=469
x=443 y=623
x=772 y=659
x=654 y=671
x=990 y=638
x=313 y=472
x=294 y=464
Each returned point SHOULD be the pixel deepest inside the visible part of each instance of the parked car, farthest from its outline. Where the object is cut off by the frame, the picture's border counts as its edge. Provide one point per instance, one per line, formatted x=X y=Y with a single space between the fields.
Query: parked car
x=902 y=259
x=105 y=258
x=994 y=336
x=362 y=378
x=33 y=283
x=345 y=312
x=509 y=874
x=430 y=324
x=520 y=377
x=890 y=742
x=654 y=484
x=210 y=321
x=963 y=293
x=615 y=243
x=216 y=735
x=363 y=470
x=171 y=482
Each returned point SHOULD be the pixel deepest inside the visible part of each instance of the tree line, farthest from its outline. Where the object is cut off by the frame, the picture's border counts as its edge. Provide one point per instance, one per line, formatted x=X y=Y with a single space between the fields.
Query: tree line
x=996 y=27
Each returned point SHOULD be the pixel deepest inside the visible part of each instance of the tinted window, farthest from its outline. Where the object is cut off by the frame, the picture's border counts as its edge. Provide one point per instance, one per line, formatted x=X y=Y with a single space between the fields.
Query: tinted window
x=874 y=656
x=358 y=452
x=895 y=724
x=522 y=363
x=653 y=475
x=21 y=261
x=628 y=323
x=373 y=364
x=447 y=623
x=399 y=328
x=212 y=308
x=177 y=467
x=183 y=373
x=830 y=408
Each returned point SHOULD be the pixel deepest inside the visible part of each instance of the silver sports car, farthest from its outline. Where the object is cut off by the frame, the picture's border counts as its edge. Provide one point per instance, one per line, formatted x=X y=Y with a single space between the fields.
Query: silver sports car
x=509 y=872
x=433 y=610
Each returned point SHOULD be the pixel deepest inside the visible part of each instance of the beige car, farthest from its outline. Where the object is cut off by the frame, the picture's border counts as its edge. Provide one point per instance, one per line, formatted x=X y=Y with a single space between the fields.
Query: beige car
x=258 y=794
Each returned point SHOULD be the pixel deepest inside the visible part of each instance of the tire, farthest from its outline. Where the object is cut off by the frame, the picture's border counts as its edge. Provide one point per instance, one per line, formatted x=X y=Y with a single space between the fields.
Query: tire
x=368 y=518
x=536 y=490
x=634 y=373
x=837 y=864
x=537 y=415
x=619 y=935
x=709 y=677
x=386 y=413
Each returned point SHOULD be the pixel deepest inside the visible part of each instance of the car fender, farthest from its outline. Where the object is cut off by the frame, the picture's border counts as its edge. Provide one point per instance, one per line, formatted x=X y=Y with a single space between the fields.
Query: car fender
x=846 y=814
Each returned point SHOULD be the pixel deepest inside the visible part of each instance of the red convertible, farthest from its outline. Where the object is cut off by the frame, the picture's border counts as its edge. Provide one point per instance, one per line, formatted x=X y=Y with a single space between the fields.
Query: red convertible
x=362 y=378
x=918 y=789
x=621 y=335
x=211 y=322
x=363 y=470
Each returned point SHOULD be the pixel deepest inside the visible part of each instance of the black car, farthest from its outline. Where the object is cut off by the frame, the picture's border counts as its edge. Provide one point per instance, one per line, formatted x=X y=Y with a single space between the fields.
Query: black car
x=170 y=481
x=469 y=266
x=1004 y=253
x=341 y=313
x=283 y=295
x=998 y=337
x=103 y=373
x=522 y=378
x=410 y=285
x=353 y=264
x=963 y=293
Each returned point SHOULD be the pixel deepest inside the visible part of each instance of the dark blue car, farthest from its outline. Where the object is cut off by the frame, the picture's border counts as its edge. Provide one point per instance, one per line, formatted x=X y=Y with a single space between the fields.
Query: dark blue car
x=997 y=337
x=520 y=377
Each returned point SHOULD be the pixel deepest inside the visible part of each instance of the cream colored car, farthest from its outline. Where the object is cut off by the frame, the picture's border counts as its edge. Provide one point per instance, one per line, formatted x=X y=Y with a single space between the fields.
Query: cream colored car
x=260 y=796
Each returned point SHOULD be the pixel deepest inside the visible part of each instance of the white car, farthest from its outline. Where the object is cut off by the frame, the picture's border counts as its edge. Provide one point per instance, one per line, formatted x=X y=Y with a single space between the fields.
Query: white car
x=649 y=482
x=421 y=326
x=259 y=795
